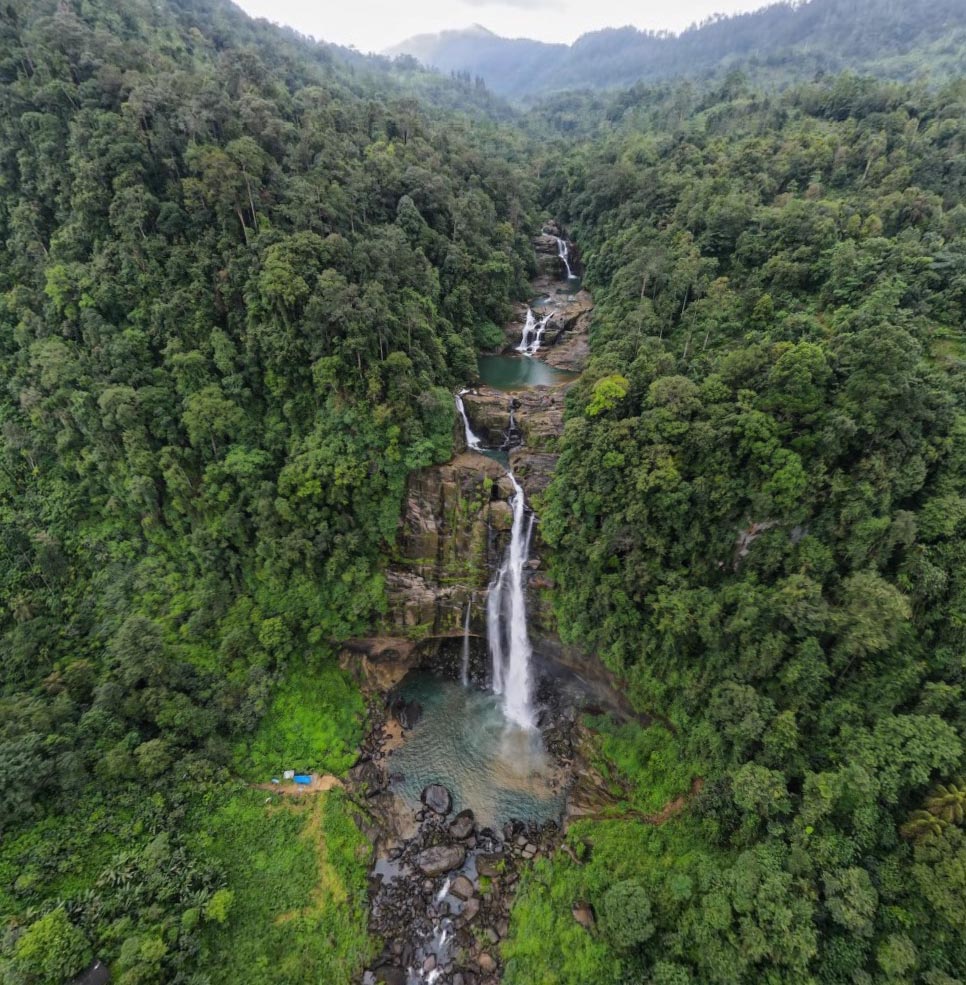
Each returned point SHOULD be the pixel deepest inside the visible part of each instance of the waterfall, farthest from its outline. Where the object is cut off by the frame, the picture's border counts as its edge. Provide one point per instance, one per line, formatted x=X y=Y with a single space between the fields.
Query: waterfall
x=465 y=671
x=472 y=441
x=494 y=625
x=506 y=618
x=533 y=332
x=528 y=327
x=564 y=253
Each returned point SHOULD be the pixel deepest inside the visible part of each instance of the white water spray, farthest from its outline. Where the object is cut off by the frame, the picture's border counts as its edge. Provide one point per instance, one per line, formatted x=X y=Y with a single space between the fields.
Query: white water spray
x=528 y=327
x=563 y=251
x=472 y=441
x=533 y=333
x=506 y=612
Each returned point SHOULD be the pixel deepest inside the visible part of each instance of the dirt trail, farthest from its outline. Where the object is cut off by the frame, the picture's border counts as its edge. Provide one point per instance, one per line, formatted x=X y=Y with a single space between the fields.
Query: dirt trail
x=319 y=784
x=675 y=806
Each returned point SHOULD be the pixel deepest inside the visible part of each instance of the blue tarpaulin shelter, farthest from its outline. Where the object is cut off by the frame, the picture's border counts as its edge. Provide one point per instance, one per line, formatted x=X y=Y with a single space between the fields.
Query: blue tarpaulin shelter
x=303 y=779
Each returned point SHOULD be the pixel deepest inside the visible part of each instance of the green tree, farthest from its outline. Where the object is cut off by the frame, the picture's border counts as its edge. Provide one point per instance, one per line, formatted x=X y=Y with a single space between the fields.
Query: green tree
x=51 y=950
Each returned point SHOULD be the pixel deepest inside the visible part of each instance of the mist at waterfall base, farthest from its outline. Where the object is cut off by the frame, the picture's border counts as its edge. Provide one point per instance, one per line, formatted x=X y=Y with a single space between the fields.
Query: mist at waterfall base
x=464 y=742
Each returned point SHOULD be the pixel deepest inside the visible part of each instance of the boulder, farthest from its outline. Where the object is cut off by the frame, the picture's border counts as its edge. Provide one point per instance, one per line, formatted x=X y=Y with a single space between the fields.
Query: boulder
x=461 y=888
x=407 y=713
x=437 y=798
x=388 y=974
x=441 y=858
x=470 y=910
x=486 y=962
x=462 y=825
x=583 y=913
x=489 y=866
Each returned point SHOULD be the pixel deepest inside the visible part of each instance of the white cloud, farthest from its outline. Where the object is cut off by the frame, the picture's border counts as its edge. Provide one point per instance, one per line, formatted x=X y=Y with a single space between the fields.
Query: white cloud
x=373 y=25
x=519 y=4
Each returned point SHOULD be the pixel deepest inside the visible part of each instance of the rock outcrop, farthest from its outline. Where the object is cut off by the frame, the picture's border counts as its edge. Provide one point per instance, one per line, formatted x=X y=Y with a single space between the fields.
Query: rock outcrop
x=565 y=340
x=380 y=662
x=537 y=414
x=547 y=251
x=440 y=858
x=443 y=549
x=437 y=798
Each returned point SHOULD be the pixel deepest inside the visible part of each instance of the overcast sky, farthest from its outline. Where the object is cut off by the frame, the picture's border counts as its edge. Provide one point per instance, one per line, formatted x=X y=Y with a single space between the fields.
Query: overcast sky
x=372 y=25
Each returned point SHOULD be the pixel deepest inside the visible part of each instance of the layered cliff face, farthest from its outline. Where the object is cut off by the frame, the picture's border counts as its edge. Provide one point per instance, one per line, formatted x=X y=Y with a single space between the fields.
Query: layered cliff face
x=537 y=416
x=457 y=516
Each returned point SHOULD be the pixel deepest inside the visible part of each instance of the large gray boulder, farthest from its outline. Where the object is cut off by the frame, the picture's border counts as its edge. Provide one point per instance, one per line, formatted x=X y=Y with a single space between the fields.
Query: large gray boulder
x=462 y=825
x=441 y=858
x=437 y=798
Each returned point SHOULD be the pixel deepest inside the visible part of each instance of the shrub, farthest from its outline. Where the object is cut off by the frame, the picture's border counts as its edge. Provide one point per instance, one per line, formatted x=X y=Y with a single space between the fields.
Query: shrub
x=626 y=915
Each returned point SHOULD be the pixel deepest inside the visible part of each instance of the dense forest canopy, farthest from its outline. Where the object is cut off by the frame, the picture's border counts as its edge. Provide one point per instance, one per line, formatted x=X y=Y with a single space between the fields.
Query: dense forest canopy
x=780 y=43
x=240 y=276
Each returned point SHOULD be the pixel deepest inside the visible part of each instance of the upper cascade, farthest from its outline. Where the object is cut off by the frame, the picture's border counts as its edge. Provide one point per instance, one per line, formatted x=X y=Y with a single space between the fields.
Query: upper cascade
x=472 y=441
x=563 y=251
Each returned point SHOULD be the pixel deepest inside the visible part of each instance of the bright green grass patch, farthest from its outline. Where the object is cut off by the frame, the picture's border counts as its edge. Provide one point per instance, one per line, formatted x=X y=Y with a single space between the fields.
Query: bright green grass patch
x=648 y=760
x=649 y=767
x=297 y=870
x=315 y=724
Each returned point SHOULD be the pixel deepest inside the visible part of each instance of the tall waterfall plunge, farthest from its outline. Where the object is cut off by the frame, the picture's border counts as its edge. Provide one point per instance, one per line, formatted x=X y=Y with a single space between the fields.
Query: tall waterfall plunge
x=506 y=619
x=506 y=606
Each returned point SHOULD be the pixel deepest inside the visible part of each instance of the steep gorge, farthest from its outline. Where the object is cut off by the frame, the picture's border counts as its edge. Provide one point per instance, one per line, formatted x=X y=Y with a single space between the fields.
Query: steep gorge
x=468 y=603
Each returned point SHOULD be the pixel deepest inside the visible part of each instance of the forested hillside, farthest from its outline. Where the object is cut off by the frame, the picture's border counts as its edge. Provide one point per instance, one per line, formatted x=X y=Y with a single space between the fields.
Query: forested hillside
x=759 y=519
x=777 y=44
x=237 y=280
x=241 y=275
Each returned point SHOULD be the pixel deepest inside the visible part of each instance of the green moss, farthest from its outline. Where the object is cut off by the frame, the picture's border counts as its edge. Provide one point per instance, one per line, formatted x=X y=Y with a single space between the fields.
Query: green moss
x=645 y=764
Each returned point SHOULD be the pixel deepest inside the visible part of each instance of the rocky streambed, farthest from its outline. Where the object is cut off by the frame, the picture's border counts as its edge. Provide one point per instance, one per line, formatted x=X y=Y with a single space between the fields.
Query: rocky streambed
x=443 y=882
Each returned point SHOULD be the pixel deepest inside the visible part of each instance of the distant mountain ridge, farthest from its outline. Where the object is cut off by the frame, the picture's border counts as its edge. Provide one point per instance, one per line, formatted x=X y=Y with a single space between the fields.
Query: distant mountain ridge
x=785 y=40
x=506 y=64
